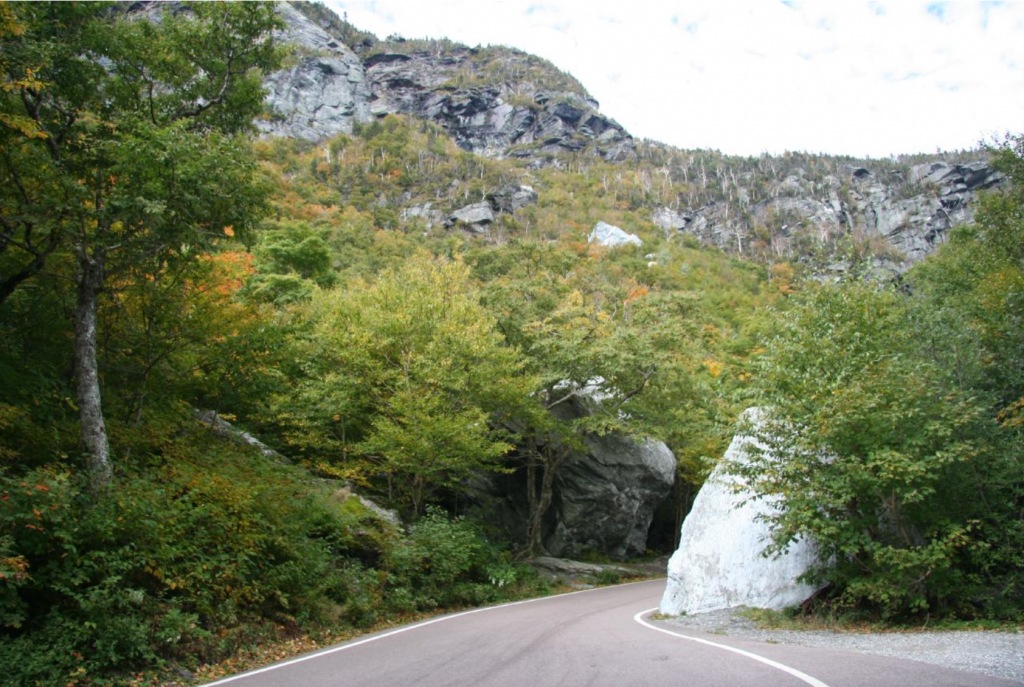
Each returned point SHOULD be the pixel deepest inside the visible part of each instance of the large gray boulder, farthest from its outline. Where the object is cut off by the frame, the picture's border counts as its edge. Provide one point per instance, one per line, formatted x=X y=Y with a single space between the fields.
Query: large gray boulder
x=605 y=496
x=477 y=217
x=474 y=218
x=719 y=562
x=511 y=198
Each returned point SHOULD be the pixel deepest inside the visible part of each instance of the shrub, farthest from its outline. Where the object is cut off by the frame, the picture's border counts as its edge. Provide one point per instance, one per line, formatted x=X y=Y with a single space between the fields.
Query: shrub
x=175 y=555
x=445 y=562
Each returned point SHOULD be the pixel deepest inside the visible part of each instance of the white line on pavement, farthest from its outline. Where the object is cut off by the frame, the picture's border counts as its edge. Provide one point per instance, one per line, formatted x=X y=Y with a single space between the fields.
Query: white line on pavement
x=392 y=633
x=813 y=681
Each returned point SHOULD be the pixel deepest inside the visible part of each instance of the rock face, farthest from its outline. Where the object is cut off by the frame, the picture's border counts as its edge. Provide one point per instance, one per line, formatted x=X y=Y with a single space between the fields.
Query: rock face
x=510 y=199
x=477 y=217
x=910 y=209
x=474 y=217
x=605 y=498
x=322 y=95
x=719 y=564
x=610 y=236
x=520 y=119
x=330 y=88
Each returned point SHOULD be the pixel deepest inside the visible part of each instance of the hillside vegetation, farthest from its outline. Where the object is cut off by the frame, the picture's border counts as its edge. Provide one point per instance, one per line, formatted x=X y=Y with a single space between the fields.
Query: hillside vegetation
x=155 y=260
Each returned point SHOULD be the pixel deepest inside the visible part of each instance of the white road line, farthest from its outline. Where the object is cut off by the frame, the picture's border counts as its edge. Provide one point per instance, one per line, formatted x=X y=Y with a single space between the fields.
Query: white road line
x=392 y=633
x=813 y=681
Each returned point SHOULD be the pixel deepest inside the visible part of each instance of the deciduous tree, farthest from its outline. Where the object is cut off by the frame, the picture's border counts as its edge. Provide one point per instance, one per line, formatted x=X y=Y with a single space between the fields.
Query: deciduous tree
x=122 y=147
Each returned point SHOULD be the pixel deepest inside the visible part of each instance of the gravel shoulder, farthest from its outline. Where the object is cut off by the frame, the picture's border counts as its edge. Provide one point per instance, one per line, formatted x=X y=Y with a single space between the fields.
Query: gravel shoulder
x=999 y=654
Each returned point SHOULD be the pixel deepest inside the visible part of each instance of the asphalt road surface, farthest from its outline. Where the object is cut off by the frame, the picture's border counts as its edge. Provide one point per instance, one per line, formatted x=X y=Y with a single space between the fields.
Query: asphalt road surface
x=601 y=637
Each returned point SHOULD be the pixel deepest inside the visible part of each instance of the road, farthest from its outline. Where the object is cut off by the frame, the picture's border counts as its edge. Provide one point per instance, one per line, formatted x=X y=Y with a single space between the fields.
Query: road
x=599 y=637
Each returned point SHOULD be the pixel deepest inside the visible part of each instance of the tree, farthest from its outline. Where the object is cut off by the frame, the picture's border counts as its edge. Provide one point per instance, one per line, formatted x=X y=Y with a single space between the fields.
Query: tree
x=409 y=379
x=979 y=274
x=122 y=146
x=973 y=290
x=608 y=355
x=875 y=448
x=291 y=258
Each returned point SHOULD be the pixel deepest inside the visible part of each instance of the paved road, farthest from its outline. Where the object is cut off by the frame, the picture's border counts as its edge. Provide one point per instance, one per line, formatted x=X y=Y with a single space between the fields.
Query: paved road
x=600 y=637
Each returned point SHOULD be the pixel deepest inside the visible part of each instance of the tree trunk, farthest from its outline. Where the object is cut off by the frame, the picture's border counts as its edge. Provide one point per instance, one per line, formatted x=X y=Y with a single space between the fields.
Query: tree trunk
x=533 y=520
x=539 y=504
x=87 y=381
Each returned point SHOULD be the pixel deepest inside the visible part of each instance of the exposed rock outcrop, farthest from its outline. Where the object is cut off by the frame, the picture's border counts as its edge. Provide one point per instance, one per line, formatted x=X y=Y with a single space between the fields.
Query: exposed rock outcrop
x=719 y=562
x=939 y=196
x=909 y=209
x=329 y=88
x=500 y=119
x=573 y=572
x=226 y=430
x=605 y=497
x=510 y=199
x=324 y=93
x=473 y=217
x=611 y=236
x=477 y=217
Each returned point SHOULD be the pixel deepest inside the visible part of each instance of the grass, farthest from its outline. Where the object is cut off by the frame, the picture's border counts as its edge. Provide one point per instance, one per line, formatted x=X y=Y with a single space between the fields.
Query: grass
x=792 y=620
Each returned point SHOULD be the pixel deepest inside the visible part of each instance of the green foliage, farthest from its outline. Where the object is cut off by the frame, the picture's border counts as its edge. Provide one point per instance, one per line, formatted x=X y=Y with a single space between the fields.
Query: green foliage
x=884 y=452
x=341 y=336
x=611 y=352
x=609 y=576
x=183 y=553
x=124 y=155
x=198 y=547
x=292 y=259
x=406 y=378
x=130 y=141
x=446 y=562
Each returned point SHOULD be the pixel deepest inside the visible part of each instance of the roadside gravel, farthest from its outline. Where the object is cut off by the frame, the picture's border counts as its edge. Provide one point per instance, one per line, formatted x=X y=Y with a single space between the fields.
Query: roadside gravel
x=999 y=654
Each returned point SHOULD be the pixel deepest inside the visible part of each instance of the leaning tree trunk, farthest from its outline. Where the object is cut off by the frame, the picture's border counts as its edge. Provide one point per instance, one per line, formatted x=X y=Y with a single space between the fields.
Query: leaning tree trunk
x=87 y=380
x=539 y=503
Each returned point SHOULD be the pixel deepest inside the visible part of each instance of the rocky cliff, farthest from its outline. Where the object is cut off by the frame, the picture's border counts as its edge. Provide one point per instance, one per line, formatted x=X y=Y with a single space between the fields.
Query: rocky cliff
x=502 y=103
x=493 y=101
x=895 y=212
x=324 y=89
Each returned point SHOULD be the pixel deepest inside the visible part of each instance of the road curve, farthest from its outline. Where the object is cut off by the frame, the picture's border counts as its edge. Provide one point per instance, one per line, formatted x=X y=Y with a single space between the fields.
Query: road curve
x=599 y=637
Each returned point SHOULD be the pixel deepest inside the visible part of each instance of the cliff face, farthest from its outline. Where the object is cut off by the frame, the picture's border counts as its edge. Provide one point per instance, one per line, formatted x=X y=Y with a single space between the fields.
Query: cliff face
x=899 y=213
x=503 y=103
x=518 y=118
x=323 y=92
x=495 y=101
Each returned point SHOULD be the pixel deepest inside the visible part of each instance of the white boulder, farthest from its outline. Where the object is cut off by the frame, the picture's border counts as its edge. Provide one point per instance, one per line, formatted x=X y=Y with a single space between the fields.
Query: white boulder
x=609 y=235
x=719 y=562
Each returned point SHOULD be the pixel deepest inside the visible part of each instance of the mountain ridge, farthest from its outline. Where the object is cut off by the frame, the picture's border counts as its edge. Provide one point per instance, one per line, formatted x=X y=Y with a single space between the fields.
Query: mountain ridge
x=500 y=102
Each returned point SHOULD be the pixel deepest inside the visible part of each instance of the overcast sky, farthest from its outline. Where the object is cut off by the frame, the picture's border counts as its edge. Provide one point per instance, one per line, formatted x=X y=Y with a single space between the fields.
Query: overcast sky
x=750 y=76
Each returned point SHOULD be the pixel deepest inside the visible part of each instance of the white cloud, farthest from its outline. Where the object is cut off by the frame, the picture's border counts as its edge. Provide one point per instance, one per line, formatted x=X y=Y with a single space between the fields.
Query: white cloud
x=860 y=78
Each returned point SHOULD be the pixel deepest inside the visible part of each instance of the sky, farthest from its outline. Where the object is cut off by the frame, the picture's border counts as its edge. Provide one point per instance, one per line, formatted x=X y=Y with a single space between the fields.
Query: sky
x=847 y=77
